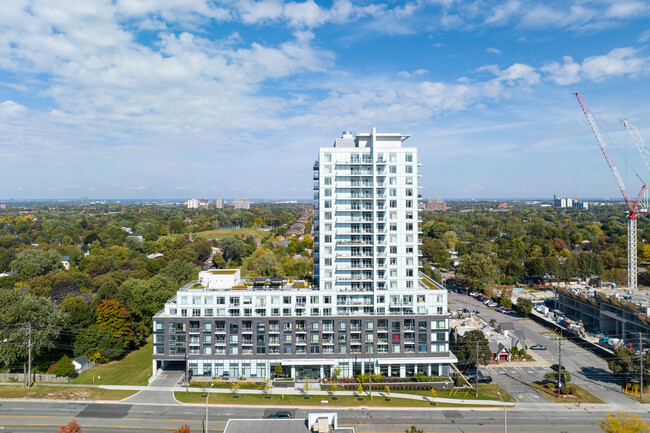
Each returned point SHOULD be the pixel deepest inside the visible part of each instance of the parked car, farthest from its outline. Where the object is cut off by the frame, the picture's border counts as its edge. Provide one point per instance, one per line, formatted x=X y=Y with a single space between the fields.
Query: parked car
x=538 y=347
x=492 y=304
x=282 y=414
x=556 y=367
x=501 y=309
x=472 y=372
x=481 y=379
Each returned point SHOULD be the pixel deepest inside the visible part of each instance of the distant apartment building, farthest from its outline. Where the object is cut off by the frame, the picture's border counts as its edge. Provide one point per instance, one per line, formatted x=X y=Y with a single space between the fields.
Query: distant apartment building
x=435 y=204
x=242 y=203
x=560 y=203
x=218 y=203
x=370 y=309
x=204 y=203
x=192 y=203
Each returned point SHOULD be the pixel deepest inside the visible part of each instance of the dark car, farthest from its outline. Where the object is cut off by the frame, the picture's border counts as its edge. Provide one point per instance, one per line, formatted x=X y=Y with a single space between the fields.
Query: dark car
x=538 y=347
x=473 y=373
x=556 y=367
x=481 y=379
x=283 y=414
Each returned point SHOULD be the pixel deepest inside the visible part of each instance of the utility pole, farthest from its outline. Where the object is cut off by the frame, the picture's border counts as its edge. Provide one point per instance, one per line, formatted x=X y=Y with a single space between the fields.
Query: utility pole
x=28 y=383
x=641 y=364
x=477 y=369
x=559 y=368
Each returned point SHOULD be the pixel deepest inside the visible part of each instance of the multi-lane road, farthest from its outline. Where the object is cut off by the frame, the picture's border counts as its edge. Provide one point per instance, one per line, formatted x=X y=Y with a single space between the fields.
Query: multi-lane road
x=47 y=416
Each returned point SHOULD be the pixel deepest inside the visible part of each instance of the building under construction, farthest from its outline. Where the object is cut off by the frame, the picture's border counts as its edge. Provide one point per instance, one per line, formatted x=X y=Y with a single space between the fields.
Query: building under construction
x=620 y=314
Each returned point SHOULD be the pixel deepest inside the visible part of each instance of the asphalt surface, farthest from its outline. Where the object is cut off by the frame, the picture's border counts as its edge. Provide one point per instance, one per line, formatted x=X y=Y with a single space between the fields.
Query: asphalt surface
x=163 y=379
x=48 y=416
x=587 y=369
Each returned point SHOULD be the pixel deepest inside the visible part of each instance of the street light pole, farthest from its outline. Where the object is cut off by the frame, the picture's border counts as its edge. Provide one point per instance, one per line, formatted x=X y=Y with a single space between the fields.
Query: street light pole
x=505 y=414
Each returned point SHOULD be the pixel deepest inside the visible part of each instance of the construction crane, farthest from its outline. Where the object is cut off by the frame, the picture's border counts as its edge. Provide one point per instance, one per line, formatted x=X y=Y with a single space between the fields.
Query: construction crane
x=632 y=206
x=645 y=153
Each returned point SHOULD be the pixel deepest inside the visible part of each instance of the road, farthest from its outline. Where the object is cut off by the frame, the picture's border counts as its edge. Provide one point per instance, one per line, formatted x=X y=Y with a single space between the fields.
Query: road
x=46 y=416
x=587 y=369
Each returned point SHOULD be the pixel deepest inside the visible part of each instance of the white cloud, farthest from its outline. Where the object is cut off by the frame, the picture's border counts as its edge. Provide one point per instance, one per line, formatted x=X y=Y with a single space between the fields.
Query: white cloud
x=562 y=74
x=644 y=36
x=626 y=9
x=502 y=13
x=492 y=50
x=10 y=108
x=620 y=61
x=416 y=73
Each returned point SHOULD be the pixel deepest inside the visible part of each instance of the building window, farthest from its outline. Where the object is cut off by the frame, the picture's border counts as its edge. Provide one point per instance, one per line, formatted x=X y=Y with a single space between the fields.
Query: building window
x=392 y=169
x=327 y=157
x=408 y=157
x=409 y=169
x=328 y=204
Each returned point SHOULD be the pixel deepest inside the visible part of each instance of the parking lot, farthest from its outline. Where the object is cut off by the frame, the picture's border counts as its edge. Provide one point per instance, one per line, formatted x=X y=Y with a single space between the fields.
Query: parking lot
x=587 y=369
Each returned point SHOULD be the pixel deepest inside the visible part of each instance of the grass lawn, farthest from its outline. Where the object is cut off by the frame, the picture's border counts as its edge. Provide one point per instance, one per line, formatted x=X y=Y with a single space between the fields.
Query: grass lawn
x=315 y=400
x=485 y=392
x=581 y=396
x=231 y=233
x=64 y=392
x=130 y=370
x=646 y=397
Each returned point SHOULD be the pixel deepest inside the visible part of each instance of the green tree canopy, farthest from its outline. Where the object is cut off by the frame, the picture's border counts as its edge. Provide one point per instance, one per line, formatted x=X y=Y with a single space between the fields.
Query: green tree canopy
x=34 y=262
x=64 y=367
x=17 y=312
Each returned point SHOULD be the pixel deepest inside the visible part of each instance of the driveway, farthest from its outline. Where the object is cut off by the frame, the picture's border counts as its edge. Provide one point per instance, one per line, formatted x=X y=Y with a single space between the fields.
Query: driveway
x=166 y=379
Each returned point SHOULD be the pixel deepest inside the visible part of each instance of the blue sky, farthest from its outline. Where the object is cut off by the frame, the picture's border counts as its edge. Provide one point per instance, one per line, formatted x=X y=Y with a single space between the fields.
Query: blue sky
x=193 y=98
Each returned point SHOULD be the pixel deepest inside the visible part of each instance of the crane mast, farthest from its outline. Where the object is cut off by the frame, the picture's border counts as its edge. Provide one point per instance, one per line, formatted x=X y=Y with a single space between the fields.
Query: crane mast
x=631 y=206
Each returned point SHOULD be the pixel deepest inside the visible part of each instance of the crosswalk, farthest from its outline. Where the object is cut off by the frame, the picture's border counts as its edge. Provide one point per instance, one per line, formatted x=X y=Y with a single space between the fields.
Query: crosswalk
x=517 y=370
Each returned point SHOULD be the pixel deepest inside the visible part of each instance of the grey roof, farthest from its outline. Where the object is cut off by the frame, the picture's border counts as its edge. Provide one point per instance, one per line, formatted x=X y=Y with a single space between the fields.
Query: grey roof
x=82 y=360
x=266 y=426
x=66 y=258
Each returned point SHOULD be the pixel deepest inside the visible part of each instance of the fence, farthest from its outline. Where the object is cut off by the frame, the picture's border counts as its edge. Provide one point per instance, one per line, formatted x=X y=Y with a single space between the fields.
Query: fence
x=44 y=377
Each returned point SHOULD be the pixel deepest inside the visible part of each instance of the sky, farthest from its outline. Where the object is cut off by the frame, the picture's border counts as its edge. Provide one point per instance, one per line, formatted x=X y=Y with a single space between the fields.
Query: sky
x=170 y=99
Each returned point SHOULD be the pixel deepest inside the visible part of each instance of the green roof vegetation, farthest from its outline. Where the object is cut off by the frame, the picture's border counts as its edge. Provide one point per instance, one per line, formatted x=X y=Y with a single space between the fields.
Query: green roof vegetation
x=223 y=271
x=429 y=284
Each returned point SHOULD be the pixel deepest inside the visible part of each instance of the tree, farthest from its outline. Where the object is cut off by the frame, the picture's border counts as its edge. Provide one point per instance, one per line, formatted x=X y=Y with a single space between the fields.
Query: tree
x=645 y=253
x=235 y=386
x=306 y=387
x=266 y=386
x=478 y=269
x=71 y=427
x=524 y=306
x=179 y=271
x=359 y=390
x=202 y=248
x=64 y=367
x=17 y=312
x=183 y=429
x=387 y=391
x=97 y=343
x=232 y=249
x=466 y=347
x=626 y=362
x=334 y=389
x=278 y=370
x=504 y=299
x=117 y=319
x=623 y=422
x=34 y=262
x=337 y=371
x=414 y=429
x=267 y=264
